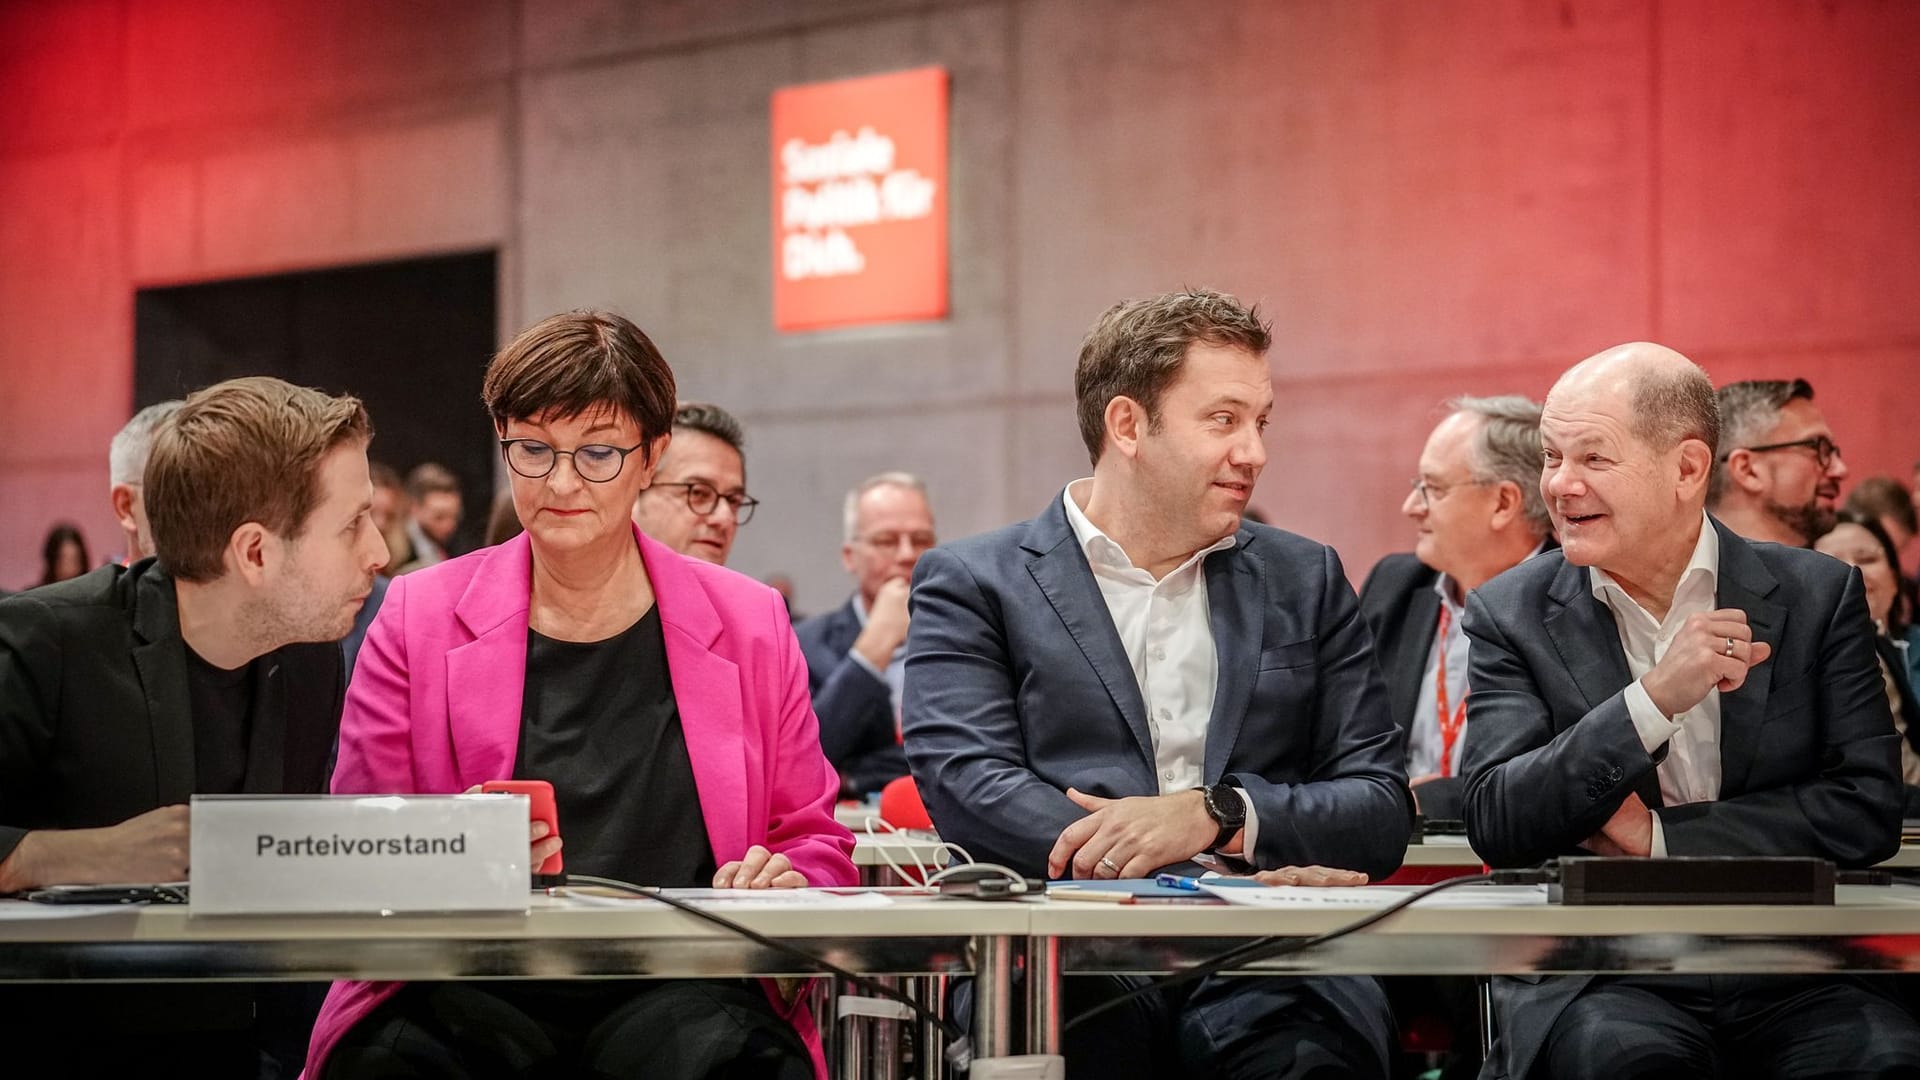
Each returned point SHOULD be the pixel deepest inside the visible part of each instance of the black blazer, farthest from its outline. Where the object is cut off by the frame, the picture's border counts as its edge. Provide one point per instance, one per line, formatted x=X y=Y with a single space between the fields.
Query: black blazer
x=1018 y=686
x=855 y=709
x=1403 y=612
x=1808 y=755
x=95 y=722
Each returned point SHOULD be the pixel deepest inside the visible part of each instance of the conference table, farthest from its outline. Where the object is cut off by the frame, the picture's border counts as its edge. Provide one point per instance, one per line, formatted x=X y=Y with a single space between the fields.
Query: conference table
x=1869 y=929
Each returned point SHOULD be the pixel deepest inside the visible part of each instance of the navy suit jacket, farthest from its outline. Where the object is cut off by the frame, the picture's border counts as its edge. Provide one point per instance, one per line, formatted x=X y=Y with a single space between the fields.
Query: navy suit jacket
x=856 y=712
x=1018 y=687
x=1808 y=754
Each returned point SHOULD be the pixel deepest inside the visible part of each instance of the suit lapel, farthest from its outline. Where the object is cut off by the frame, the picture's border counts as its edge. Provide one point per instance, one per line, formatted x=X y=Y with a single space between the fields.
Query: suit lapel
x=1236 y=587
x=1065 y=579
x=161 y=660
x=487 y=676
x=1588 y=641
x=706 y=691
x=1745 y=583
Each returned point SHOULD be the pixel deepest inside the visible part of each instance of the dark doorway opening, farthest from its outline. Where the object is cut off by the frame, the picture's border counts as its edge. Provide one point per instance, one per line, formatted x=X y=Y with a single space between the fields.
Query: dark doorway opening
x=410 y=339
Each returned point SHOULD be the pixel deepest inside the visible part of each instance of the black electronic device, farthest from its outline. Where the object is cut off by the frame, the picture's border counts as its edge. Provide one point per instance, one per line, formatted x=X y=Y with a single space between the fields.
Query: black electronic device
x=1694 y=880
x=987 y=883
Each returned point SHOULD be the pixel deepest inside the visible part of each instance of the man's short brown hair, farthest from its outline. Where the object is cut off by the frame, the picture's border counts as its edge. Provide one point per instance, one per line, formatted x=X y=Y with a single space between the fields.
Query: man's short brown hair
x=573 y=363
x=1136 y=350
x=238 y=451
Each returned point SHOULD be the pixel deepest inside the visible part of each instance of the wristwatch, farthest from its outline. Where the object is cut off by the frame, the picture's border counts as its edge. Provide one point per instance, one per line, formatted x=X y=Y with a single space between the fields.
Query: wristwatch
x=1227 y=809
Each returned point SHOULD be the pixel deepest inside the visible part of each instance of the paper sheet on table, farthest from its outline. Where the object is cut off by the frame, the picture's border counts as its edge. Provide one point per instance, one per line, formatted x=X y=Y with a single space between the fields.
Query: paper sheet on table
x=758 y=899
x=1377 y=896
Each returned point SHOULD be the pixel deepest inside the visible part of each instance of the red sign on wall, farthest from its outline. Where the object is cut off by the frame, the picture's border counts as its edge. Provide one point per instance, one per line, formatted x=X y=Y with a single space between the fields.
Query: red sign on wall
x=860 y=201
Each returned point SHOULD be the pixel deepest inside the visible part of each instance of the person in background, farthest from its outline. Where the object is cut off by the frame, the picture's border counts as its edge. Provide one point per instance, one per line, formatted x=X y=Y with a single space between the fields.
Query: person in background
x=663 y=697
x=855 y=653
x=1661 y=686
x=390 y=511
x=126 y=464
x=1778 y=474
x=503 y=522
x=434 y=511
x=1882 y=499
x=210 y=668
x=1476 y=510
x=1861 y=541
x=698 y=499
x=63 y=555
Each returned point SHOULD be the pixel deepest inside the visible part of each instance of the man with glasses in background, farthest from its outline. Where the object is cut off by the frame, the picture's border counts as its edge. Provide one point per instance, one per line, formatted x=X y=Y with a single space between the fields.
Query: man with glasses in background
x=1778 y=476
x=1477 y=511
x=855 y=653
x=698 y=499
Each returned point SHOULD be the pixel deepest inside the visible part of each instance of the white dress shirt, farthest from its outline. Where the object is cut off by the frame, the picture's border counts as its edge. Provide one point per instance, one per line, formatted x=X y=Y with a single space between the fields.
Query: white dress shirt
x=1166 y=628
x=1691 y=771
x=1424 y=741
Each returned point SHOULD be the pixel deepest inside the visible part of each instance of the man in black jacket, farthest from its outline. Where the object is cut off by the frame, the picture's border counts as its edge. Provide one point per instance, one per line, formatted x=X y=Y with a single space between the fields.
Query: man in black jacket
x=1663 y=687
x=1477 y=511
x=210 y=668
x=855 y=662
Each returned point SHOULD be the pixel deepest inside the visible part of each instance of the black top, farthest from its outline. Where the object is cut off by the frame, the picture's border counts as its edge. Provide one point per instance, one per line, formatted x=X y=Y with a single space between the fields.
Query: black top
x=222 y=703
x=599 y=722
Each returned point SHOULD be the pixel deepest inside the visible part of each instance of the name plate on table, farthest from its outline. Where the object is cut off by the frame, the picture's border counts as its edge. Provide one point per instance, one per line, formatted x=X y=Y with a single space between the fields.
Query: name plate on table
x=358 y=854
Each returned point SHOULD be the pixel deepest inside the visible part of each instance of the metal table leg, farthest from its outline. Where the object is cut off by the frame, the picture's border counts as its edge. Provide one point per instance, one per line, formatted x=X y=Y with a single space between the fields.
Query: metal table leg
x=1043 y=995
x=992 y=996
x=884 y=1045
x=929 y=1040
x=1483 y=987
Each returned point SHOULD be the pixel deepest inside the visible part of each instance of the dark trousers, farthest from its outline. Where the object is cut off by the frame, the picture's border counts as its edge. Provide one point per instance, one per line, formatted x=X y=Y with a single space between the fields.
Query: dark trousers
x=1705 y=1026
x=684 y=1030
x=1243 y=1028
x=210 y=1031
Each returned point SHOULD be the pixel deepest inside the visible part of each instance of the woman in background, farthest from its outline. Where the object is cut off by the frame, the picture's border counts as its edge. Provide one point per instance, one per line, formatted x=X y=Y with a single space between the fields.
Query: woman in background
x=64 y=555
x=664 y=698
x=1859 y=540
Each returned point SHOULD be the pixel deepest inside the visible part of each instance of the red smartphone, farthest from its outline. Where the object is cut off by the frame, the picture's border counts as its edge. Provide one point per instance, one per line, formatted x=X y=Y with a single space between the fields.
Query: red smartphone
x=540 y=807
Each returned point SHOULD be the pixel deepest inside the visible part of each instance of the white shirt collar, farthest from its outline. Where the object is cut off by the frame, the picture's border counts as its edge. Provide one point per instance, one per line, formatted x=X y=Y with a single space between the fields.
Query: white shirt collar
x=1705 y=563
x=1104 y=550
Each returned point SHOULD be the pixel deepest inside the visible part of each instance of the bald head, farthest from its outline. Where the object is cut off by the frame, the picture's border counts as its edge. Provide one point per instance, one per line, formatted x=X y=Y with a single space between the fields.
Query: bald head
x=1667 y=397
x=1627 y=441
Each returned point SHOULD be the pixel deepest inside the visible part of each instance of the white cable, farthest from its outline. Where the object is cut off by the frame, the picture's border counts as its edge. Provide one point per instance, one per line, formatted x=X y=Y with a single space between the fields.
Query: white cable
x=928 y=871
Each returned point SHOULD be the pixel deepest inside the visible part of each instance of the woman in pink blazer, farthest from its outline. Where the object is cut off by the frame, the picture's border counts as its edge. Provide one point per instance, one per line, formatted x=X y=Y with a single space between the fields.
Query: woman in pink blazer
x=665 y=698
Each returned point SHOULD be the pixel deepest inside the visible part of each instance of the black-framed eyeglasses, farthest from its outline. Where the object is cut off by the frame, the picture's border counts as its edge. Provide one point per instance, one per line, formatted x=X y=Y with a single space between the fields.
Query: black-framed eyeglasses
x=1823 y=449
x=1433 y=493
x=703 y=499
x=595 y=462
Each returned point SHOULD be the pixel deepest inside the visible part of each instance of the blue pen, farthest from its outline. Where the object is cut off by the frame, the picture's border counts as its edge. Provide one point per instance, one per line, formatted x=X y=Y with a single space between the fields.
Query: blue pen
x=1177 y=881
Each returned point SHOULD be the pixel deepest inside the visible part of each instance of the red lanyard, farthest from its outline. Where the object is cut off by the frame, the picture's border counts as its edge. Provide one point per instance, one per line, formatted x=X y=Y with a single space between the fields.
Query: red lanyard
x=1450 y=722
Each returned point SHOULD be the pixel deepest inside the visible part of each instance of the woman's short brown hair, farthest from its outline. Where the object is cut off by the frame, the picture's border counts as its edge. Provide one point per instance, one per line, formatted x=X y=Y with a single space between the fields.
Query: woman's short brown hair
x=1137 y=348
x=579 y=361
x=238 y=451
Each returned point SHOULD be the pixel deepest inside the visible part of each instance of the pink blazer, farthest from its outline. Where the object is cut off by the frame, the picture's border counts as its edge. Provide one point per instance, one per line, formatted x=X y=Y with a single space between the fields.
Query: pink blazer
x=435 y=707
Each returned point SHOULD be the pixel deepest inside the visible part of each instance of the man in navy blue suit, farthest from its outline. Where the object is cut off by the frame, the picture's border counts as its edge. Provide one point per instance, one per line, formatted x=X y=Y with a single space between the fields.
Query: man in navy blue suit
x=1661 y=686
x=855 y=653
x=1136 y=680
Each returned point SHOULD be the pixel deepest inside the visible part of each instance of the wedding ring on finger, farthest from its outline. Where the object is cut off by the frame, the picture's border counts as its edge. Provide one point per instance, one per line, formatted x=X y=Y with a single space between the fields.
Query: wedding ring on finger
x=1729 y=646
x=1110 y=865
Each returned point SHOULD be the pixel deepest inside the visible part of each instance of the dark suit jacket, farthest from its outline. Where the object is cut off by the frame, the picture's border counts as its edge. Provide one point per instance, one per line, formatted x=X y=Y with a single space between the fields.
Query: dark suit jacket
x=855 y=710
x=95 y=722
x=1808 y=755
x=1403 y=612
x=1017 y=687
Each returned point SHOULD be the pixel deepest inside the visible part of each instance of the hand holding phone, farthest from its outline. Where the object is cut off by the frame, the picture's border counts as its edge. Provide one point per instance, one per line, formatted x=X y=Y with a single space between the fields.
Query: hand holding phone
x=540 y=807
